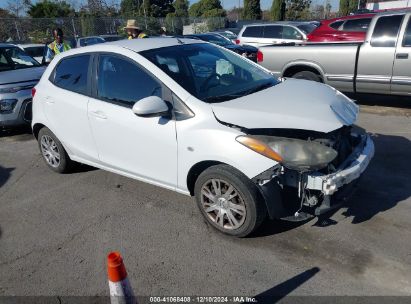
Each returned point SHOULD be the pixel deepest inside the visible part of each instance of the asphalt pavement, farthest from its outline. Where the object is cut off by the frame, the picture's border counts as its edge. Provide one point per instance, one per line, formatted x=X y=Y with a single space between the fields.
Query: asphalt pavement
x=56 y=230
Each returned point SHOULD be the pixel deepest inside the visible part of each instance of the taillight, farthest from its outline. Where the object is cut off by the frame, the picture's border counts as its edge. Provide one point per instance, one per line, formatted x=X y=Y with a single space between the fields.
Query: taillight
x=260 y=56
x=237 y=41
x=33 y=92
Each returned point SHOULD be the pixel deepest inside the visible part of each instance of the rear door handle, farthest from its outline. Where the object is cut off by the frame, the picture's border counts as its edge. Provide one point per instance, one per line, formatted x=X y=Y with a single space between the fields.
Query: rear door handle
x=99 y=114
x=402 y=56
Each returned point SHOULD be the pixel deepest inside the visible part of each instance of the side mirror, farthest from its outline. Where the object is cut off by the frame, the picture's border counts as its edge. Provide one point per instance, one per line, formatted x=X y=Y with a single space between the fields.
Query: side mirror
x=151 y=106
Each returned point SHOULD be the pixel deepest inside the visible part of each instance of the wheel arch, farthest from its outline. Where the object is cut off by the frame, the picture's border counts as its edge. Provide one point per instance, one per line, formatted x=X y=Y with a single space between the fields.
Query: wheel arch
x=295 y=67
x=196 y=170
x=36 y=129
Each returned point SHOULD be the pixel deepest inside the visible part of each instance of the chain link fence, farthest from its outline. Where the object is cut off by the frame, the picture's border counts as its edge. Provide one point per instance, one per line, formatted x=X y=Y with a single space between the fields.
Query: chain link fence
x=39 y=30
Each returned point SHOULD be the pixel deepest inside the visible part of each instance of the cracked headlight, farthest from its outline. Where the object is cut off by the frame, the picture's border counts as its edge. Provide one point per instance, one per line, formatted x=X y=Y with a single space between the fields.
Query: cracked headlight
x=295 y=154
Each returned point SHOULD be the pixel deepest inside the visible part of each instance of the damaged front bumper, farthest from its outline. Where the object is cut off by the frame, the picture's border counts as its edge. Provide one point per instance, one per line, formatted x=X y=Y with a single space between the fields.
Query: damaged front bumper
x=350 y=170
x=313 y=193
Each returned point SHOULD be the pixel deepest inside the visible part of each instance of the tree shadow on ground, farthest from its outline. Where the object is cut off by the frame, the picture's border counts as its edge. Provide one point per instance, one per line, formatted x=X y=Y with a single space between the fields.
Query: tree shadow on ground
x=283 y=289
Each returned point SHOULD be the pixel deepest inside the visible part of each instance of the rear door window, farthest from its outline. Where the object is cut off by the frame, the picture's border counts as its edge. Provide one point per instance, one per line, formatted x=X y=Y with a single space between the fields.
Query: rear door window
x=253 y=31
x=273 y=31
x=386 y=31
x=72 y=73
x=356 y=25
x=291 y=33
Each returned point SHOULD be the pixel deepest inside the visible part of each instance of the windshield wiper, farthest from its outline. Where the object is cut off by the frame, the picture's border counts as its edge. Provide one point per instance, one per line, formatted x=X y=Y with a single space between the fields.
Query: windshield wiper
x=221 y=98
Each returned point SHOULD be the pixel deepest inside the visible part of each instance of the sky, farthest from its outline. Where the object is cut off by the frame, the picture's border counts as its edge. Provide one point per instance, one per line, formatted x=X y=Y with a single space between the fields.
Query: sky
x=265 y=4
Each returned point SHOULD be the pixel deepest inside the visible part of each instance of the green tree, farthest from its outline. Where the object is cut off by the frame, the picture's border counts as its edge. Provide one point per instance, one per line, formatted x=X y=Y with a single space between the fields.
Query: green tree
x=195 y=10
x=252 y=10
x=215 y=18
x=344 y=7
x=181 y=8
x=129 y=8
x=50 y=9
x=352 y=6
x=297 y=9
x=275 y=11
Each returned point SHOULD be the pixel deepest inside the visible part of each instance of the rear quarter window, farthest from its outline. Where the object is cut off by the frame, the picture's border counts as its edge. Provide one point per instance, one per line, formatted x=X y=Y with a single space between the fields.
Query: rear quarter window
x=253 y=31
x=335 y=25
x=356 y=25
x=71 y=74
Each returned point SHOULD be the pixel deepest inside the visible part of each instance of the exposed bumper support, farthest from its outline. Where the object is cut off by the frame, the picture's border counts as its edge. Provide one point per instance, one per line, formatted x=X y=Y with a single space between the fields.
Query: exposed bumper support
x=358 y=162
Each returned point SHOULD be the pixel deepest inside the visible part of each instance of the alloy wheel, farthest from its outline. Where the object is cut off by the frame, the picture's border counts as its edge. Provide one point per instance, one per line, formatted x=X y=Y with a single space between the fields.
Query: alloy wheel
x=50 y=151
x=223 y=204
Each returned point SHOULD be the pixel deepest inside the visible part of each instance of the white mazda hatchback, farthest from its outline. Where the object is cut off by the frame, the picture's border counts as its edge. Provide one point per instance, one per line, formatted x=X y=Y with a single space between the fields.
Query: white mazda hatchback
x=201 y=120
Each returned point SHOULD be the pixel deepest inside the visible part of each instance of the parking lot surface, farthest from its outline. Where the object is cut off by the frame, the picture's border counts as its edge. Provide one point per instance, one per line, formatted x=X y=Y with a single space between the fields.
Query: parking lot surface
x=56 y=230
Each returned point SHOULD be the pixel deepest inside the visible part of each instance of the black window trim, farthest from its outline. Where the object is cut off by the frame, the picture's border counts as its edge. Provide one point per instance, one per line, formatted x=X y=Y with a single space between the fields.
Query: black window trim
x=405 y=32
x=89 y=71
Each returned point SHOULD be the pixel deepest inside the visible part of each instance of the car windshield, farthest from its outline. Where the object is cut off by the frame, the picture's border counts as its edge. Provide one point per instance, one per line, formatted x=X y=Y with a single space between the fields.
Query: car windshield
x=307 y=28
x=13 y=58
x=228 y=35
x=34 y=51
x=210 y=73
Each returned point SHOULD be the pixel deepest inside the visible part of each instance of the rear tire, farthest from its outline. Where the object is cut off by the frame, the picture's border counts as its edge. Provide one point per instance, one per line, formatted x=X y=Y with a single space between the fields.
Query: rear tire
x=308 y=76
x=229 y=201
x=53 y=152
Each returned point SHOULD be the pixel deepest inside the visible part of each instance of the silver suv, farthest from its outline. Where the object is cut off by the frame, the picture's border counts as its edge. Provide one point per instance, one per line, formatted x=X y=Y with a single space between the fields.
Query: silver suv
x=19 y=73
x=275 y=33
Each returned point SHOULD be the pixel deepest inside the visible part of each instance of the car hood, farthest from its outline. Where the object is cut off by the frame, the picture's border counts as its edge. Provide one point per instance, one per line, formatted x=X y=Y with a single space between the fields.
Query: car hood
x=21 y=75
x=291 y=104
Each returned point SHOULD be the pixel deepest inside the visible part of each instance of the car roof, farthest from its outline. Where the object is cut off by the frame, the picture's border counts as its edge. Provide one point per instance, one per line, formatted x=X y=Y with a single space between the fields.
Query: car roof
x=4 y=45
x=88 y=37
x=279 y=23
x=349 y=17
x=24 y=45
x=136 y=45
x=395 y=12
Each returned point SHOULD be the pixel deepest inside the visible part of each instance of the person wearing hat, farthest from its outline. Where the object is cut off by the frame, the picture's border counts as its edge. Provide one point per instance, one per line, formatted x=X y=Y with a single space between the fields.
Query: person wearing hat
x=133 y=31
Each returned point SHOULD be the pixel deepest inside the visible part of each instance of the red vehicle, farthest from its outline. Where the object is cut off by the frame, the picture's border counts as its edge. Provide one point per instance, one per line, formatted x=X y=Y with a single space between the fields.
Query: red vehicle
x=348 y=28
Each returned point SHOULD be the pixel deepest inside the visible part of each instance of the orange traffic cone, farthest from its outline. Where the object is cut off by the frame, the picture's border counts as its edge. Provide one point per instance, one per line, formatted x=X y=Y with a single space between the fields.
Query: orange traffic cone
x=120 y=289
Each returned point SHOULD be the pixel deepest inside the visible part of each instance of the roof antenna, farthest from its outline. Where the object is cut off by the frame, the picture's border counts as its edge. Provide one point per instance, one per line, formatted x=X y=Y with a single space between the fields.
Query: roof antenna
x=179 y=41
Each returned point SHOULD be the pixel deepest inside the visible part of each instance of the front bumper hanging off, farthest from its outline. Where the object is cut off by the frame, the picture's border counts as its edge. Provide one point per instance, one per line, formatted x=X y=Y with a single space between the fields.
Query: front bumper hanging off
x=325 y=185
x=350 y=170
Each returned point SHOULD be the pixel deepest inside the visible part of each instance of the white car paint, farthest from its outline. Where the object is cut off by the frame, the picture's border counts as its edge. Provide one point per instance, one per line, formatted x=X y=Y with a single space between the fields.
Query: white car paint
x=163 y=154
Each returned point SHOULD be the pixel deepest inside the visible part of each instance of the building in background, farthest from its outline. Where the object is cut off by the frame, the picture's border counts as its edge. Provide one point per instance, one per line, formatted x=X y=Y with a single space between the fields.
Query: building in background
x=387 y=4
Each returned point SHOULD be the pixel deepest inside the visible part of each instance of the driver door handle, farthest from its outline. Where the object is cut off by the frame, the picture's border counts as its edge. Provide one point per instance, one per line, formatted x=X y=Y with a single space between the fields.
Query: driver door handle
x=99 y=114
x=402 y=56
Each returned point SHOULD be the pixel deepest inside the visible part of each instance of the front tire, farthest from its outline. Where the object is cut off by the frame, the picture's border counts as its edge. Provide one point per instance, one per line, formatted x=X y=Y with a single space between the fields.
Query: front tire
x=53 y=152
x=229 y=201
x=307 y=75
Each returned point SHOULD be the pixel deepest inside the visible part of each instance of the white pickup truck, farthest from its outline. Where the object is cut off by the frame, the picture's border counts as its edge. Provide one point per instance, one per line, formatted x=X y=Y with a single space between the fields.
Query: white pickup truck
x=381 y=64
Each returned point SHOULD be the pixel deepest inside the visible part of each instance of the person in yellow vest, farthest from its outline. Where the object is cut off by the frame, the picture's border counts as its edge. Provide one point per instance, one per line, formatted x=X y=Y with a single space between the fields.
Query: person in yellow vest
x=133 y=31
x=57 y=46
